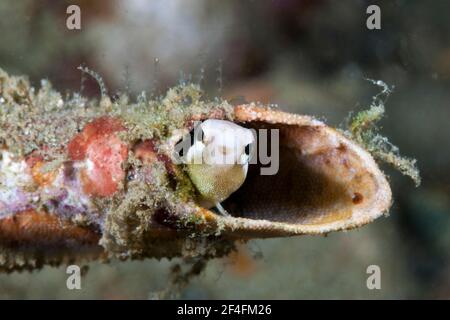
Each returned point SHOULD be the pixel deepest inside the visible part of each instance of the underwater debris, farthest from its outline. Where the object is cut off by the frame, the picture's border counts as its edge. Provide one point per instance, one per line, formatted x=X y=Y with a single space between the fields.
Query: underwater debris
x=180 y=278
x=87 y=179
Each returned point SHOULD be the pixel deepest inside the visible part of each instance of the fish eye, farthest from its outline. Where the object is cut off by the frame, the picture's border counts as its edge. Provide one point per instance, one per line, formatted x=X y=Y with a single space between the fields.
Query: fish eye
x=247 y=149
x=188 y=141
x=197 y=134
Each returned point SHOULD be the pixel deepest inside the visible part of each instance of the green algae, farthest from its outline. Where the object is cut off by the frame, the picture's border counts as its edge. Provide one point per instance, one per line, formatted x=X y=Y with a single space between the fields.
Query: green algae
x=363 y=129
x=30 y=120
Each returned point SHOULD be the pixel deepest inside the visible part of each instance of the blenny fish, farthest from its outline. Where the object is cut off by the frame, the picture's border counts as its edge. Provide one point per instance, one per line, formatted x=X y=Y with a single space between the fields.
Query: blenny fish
x=84 y=179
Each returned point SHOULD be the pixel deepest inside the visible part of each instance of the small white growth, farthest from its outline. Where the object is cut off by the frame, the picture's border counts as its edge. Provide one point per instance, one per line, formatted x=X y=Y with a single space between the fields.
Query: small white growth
x=13 y=176
x=89 y=165
x=12 y=173
x=385 y=92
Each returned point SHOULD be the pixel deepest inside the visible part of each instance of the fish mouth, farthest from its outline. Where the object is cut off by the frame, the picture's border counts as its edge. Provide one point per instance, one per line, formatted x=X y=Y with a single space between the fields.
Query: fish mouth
x=324 y=182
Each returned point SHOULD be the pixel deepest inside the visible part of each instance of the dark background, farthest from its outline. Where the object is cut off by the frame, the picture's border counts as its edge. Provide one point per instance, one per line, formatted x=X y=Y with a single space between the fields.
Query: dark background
x=310 y=57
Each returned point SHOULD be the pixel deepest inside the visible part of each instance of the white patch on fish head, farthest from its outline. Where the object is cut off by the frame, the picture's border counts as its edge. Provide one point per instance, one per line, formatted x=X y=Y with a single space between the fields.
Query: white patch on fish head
x=223 y=143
